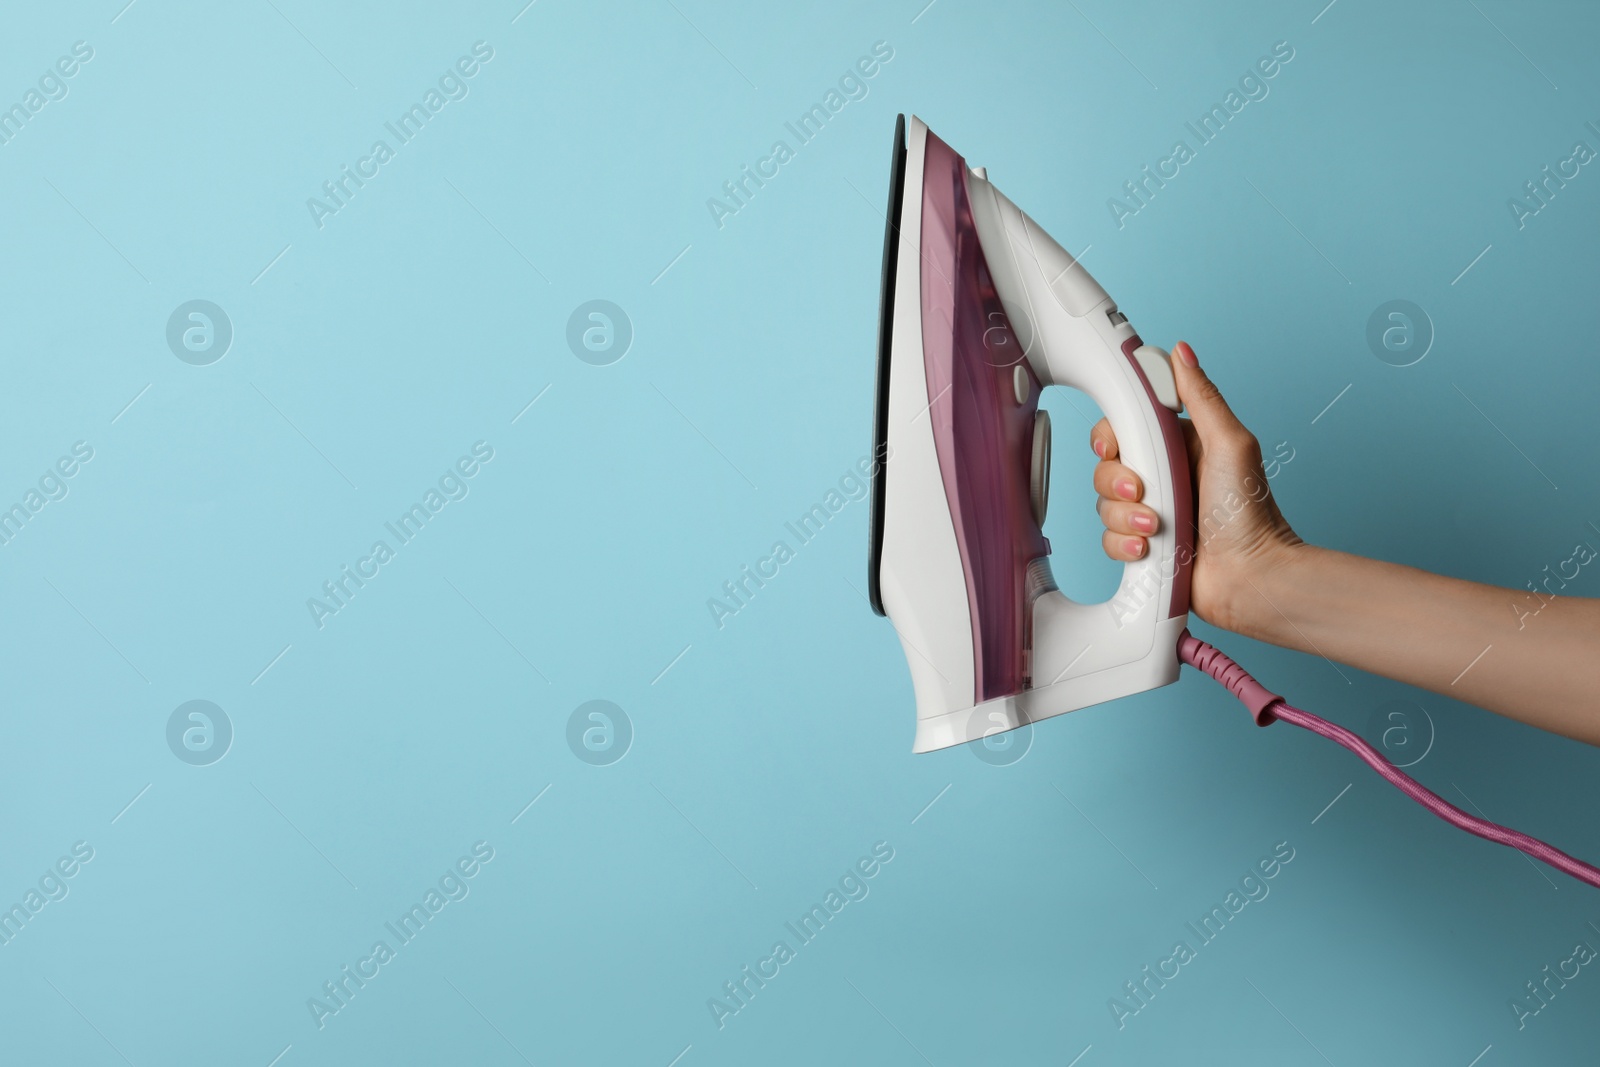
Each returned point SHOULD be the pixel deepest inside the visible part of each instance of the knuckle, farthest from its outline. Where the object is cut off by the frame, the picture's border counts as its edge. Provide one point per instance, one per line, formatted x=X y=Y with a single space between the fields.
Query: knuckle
x=1241 y=442
x=1101 y=440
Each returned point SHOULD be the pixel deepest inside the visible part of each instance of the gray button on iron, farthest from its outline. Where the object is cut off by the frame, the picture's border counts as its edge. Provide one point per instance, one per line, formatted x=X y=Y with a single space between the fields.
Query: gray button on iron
x=1157 y=367
x=1039 y=476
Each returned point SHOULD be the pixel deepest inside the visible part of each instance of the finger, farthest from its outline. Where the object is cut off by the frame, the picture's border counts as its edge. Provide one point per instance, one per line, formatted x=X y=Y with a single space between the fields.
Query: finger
x=1102 y=440
x=1114 y=481
x=1122 y=547
x=1124 y=517
x=1210 y=413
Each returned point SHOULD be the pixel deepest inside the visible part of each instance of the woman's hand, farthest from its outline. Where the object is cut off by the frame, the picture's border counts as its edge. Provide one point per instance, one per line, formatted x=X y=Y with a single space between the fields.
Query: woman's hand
x=1240 y=533
x=1518 y=652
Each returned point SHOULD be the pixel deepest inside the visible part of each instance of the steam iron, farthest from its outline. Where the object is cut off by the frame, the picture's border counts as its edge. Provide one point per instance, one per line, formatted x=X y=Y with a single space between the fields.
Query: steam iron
x=981 y=309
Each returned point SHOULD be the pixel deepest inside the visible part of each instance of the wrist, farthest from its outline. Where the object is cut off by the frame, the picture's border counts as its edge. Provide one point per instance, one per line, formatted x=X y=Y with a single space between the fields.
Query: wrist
x=1262 y=600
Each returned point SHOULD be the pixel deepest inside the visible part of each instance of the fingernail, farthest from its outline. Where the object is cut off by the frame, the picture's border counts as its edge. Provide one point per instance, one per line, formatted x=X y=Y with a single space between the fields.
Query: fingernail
x=1124 y=488
x=1147 y=523
x=1186 y=354
x=1133 y=546
x=1100 y=449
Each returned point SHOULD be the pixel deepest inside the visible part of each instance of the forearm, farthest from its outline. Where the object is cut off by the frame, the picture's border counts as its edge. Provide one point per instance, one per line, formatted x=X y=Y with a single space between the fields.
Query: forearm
x=1532 y=657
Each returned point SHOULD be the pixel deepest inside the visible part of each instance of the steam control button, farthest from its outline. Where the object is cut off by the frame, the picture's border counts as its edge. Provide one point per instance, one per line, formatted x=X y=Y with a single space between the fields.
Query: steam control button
x=1039 y=481
x=1157 y=367
x=1020 y=384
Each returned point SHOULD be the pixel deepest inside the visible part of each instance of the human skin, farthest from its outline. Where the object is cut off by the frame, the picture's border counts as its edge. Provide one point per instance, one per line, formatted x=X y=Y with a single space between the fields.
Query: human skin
x=1254 y=576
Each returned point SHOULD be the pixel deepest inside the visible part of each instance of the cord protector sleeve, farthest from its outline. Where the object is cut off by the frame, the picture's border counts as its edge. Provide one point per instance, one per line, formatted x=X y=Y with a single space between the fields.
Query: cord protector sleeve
x=1267 y=707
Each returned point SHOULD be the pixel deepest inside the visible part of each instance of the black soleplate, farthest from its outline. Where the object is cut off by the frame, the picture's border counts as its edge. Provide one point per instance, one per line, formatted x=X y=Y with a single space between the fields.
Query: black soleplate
x=880 y=417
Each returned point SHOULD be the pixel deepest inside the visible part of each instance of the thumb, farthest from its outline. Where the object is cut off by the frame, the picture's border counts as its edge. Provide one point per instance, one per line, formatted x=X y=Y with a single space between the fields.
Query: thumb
x=1212 y=417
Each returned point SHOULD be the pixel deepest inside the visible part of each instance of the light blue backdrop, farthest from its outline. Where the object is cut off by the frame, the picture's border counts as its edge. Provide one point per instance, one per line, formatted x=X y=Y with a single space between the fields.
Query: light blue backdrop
x=375 y=345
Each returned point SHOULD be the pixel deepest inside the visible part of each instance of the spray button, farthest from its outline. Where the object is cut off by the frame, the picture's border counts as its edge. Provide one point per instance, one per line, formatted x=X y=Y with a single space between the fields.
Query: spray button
x=1157 y=367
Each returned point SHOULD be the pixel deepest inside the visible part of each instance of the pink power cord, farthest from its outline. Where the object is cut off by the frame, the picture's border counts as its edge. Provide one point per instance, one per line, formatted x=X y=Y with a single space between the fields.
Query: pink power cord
x=1267 y=707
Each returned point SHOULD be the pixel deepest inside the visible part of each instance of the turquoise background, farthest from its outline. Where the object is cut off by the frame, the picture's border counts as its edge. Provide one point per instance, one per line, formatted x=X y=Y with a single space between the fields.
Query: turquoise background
x=771 y=754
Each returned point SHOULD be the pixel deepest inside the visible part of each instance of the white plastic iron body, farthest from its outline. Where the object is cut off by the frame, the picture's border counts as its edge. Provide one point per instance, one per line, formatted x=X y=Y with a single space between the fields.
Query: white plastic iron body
x=982 y=309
